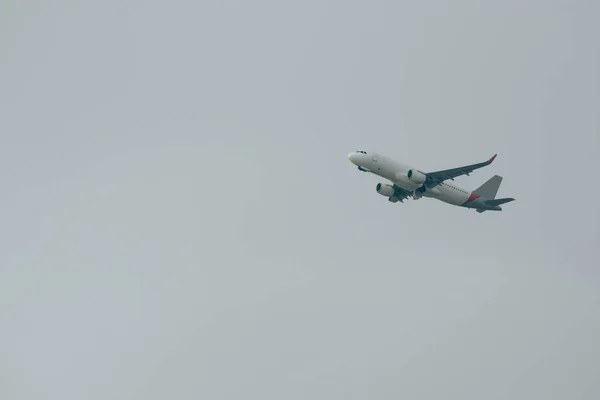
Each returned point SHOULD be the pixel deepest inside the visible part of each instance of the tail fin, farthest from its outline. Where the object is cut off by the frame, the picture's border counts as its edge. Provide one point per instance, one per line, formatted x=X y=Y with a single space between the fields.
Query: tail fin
x=489 y=189
x=497 y=202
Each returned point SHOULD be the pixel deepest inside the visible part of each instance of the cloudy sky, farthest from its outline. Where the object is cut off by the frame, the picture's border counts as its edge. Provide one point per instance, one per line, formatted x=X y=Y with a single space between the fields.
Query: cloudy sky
x=179 y=218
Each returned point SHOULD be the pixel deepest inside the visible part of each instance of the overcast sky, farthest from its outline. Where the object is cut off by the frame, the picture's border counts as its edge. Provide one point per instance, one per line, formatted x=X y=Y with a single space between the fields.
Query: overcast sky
x=179 y=218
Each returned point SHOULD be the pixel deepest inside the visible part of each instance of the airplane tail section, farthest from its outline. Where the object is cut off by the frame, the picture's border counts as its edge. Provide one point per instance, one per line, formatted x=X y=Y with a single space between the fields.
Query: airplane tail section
x=494 y=204
x=489 y=189
x=497 y=202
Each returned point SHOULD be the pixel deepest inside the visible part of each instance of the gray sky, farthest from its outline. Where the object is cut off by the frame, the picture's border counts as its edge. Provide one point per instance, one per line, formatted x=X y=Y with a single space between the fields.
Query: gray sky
x=180 y=220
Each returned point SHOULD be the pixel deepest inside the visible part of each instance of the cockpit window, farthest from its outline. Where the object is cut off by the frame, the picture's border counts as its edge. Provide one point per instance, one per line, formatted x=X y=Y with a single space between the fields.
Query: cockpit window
x=360 y=151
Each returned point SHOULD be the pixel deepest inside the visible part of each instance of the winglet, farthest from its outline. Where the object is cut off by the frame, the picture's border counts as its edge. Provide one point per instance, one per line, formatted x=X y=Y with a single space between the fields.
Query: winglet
x=491 y=160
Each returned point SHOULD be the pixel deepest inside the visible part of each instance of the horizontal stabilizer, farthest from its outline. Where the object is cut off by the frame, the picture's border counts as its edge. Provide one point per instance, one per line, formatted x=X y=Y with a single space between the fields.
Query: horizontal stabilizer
x=497 y=202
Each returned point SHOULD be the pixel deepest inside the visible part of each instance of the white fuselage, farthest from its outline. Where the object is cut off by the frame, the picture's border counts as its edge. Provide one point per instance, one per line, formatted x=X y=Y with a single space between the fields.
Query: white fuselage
x=397 y=173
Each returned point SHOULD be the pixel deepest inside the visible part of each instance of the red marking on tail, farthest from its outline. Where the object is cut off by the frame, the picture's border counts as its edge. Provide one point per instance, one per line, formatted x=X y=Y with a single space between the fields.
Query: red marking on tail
x=472 y=197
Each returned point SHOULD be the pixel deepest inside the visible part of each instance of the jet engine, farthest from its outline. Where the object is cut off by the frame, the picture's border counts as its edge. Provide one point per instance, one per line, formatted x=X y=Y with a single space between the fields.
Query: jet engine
x=416 y=176
x=385 y=189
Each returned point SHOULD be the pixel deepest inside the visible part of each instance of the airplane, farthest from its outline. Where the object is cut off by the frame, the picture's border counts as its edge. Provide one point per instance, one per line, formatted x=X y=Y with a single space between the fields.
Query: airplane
x=407 y=182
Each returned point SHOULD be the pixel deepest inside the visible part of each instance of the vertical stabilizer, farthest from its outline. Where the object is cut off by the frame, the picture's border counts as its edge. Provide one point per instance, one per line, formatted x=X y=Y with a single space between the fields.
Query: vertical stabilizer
x=489 y=189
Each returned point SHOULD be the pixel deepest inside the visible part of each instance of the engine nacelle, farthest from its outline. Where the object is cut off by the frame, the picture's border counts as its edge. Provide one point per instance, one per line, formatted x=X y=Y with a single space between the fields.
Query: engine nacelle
x=417 y=177
x=385 y=189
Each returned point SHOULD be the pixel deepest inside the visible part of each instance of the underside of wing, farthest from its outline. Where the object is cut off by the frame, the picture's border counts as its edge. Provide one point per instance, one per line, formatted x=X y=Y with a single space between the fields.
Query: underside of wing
x=437 y=177
x=400 y=194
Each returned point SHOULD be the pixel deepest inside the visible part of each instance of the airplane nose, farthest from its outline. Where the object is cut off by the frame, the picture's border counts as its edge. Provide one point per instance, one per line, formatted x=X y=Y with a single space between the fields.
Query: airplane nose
x=352 y=158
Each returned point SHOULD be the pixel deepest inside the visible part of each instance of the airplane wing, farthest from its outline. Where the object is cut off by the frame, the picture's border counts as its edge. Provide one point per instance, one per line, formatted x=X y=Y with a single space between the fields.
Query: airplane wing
x=400 y=194
x=437 y=177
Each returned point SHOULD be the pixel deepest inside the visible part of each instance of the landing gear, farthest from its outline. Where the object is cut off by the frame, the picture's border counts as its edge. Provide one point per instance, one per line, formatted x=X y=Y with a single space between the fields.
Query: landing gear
x=418 y=193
